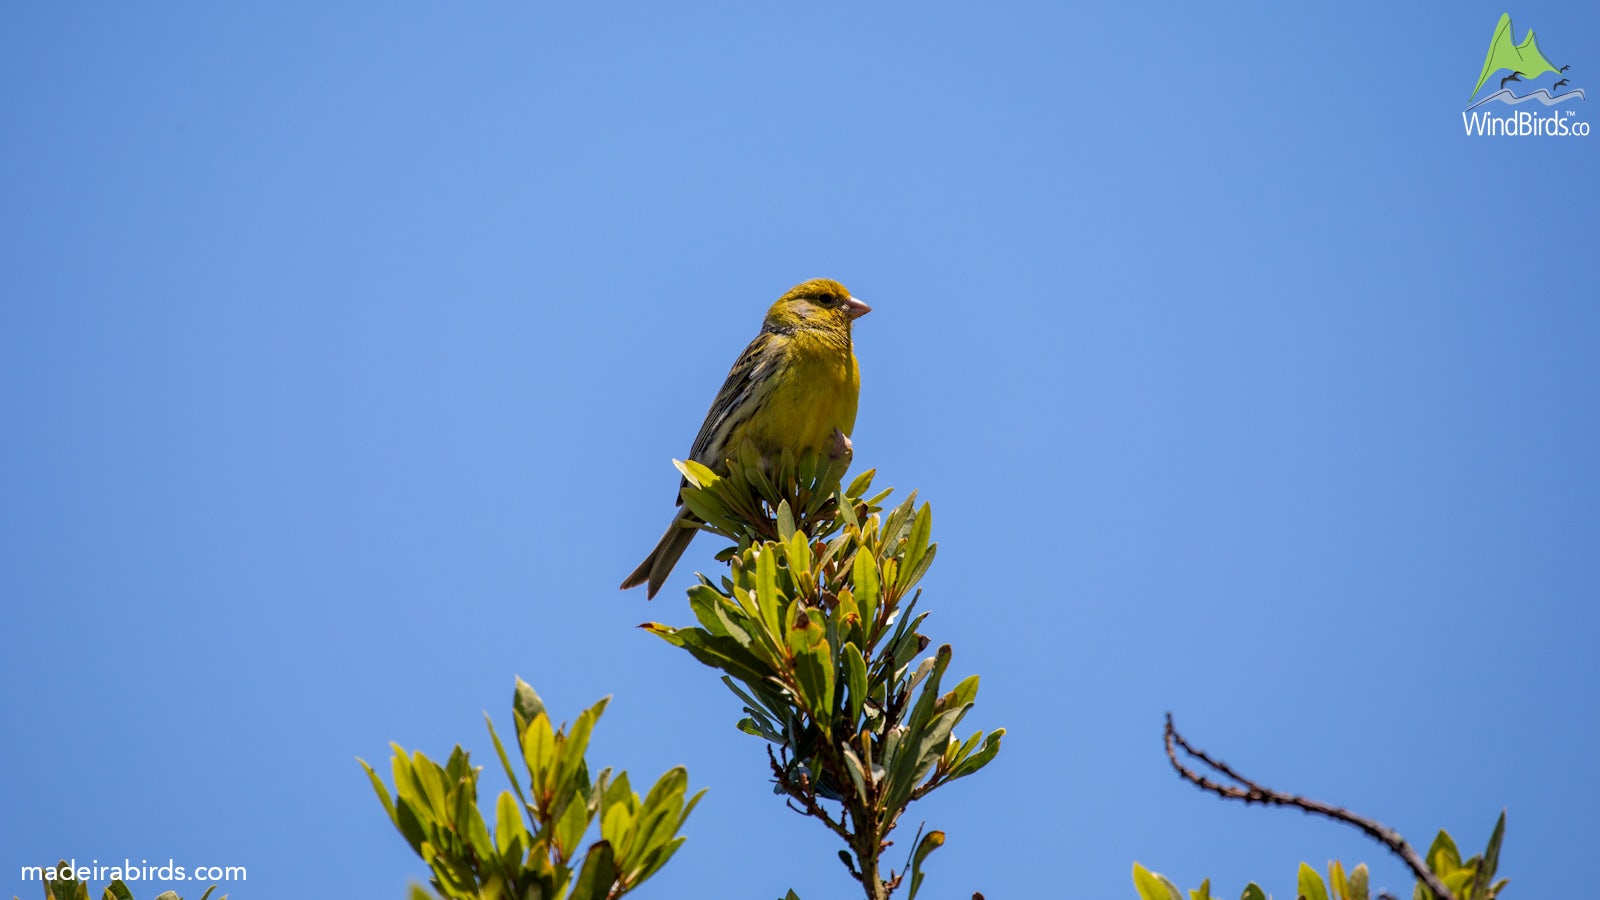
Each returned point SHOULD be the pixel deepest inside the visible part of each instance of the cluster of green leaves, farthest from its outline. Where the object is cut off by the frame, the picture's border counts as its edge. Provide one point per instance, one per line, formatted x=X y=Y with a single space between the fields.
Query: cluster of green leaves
x=70 y=888
x=1472 y=879
x=814 y=628
x=743 y=507
x=435 y=808
x=1152 y=886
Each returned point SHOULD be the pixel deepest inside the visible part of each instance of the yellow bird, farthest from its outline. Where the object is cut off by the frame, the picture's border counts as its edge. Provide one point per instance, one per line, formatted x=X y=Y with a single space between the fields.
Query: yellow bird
x=795 y=387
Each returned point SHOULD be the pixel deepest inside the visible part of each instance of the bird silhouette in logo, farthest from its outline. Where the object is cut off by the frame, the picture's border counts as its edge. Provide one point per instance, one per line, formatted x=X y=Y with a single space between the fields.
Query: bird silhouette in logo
x=1514 y=76
x=1563 y=69
x=1558 y=84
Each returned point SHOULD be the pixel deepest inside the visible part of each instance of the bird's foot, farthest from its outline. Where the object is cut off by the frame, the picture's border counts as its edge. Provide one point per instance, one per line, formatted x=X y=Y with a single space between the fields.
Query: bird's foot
x=840 y=447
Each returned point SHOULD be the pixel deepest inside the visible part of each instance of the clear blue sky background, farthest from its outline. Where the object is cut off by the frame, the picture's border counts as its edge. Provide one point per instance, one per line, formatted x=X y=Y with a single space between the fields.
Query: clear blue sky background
x=343 y=353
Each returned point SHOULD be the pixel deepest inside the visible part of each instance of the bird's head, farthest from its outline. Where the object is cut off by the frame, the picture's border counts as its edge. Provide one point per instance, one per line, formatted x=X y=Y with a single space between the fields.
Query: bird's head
x=818 y=303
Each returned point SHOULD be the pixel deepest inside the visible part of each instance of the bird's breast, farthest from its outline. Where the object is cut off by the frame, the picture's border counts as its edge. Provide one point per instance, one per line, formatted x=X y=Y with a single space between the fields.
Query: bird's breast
x=816 y=392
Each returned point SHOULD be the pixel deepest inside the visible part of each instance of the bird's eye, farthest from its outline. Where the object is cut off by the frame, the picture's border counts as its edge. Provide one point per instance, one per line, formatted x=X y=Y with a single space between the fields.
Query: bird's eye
x=827 y=299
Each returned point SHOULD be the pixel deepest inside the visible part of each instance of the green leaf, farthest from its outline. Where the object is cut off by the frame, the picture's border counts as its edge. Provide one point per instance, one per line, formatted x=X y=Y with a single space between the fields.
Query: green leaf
x=658 y=817
x=813 y=666
x=797 y=550
x=1311 y=885
x=1460 y=880
x=505 y=761
x=922 y=712
x=916 y=547
x=1358 y=883
x=571 y=765
x=858 y=776
x=860 y=484
x=930 y=842
x=724 y=654
x=918 y=756
x=910 y=755
x=716 y=615
x=619 y=808
x=751 y=726
x=511 y=836
x=451 y=874
x=1338 y=885
x=696 y=473
x=895 y=525
x=539 y=754
x=888 y=570
x=1253 y=892
x=874 y=502
x=1152 y=886
x=785 y=521
x=753 y=470
x=906 y=643
x=379 y=788
x=406 y=787
x=766 y=587
x=855 y=669
x=864 y=581
x=762 y=626
x=689 y=807
x=470 y=825
x=909 y=576
x=658 y=849
x=410 y=809
x=619 y=823
x=412 y=823
x=1203 y=893
x=959 y=751
x=598 y=874
x=458 y=769
x=962 y=695
x=429 y=778
x=847 y=515
x=657 y=858
x=662 y=817
x=757 y=707
x=116 y=890
x=991 y=746
x=1443 y=857
x=832 y=549
x=706 y=505
x=525 y=704
x=1490 y=861
x=573 y=823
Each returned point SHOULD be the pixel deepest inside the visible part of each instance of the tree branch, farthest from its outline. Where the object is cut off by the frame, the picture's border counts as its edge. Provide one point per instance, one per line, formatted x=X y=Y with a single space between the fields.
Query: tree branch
x=1251 y=792
x=807 y=797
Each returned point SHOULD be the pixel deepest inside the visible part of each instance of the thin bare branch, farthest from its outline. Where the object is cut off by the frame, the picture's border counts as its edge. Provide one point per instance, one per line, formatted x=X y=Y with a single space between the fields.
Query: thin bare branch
x=807 y=797
x=1251 y=792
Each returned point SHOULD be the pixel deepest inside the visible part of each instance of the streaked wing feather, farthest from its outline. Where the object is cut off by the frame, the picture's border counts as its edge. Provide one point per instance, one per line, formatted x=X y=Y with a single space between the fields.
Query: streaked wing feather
x=747 y=384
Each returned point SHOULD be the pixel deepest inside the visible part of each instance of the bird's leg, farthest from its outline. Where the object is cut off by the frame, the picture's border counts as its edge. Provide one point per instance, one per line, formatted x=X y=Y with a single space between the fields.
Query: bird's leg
x=840 y=446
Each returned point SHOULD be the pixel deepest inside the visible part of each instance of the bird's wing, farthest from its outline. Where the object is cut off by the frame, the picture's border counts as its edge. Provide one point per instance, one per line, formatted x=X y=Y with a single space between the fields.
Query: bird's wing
x=748 y=384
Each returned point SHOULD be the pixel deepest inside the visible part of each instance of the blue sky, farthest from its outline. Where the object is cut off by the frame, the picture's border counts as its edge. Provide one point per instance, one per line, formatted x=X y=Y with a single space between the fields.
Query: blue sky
x=343 y=354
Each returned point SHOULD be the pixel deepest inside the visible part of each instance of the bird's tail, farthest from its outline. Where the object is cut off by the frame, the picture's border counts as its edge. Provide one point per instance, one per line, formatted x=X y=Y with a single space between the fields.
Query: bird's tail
x=658 y=565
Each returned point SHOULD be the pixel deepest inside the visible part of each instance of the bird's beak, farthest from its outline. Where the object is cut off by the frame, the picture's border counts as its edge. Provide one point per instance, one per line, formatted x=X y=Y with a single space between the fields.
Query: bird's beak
x=855 y=309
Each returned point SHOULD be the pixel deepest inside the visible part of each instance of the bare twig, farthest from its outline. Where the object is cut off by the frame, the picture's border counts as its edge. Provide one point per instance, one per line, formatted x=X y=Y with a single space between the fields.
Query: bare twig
x=1251 y=792
x=807 y=796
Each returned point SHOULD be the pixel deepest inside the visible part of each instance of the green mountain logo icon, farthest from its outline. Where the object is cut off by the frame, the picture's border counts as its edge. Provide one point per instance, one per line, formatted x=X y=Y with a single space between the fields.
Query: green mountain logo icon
x=1522 y=60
